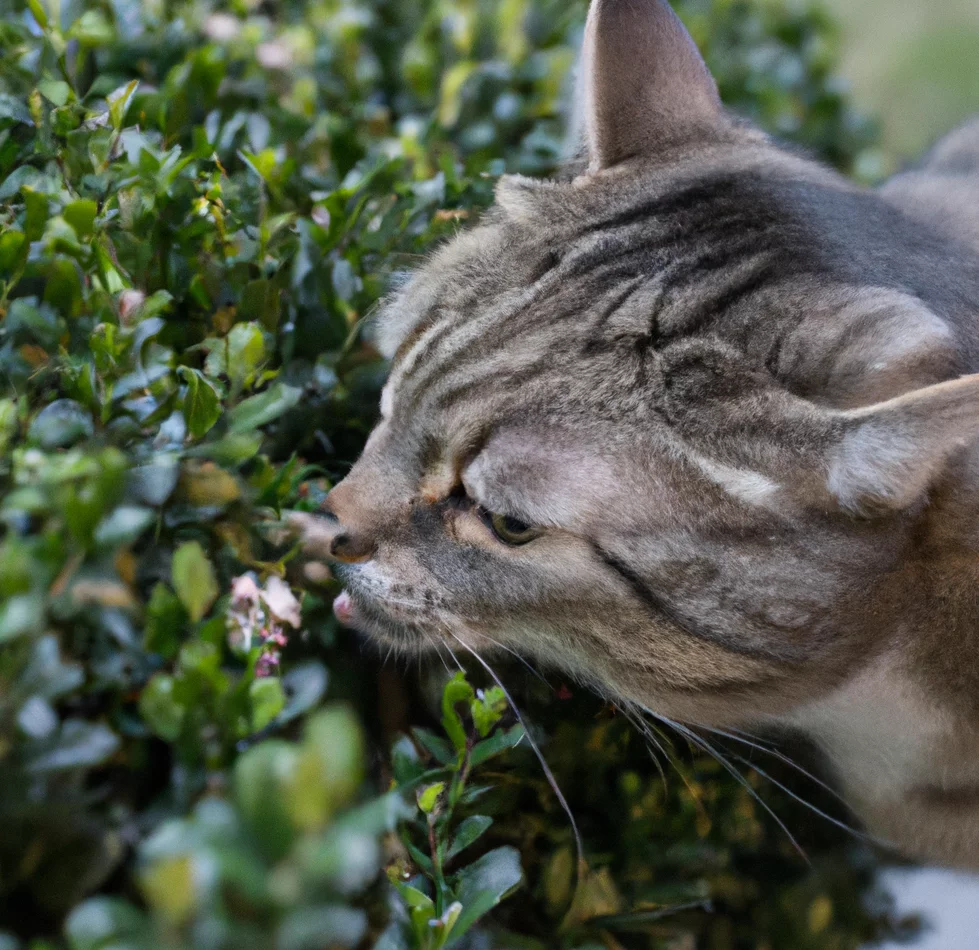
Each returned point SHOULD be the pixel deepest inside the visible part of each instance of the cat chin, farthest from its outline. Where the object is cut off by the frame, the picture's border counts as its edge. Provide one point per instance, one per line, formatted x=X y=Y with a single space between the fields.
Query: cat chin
x=369 y=619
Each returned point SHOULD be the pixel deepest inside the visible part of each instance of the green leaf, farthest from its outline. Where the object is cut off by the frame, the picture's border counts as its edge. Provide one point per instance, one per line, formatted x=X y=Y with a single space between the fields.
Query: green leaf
x=488 y=708
x=263 y=163
x=160 y=709
x=92 y=29
x=304 y=686
x=202 y=658
x=304 y=929
x=154 y=482
x=467 y=832
x=245 y=353
x=480 y=886
x=40 y=14
x=345 y=282
x=261 y=302
x=332 y=764
x=13 y=250
x=38 y=211
x=202 y=402
x=165 y=620
x=46 y=674
x=123 y=526
x=415 y=898
x=442 y=751
x=21 y=615
x=194 y=579
x=13 y=108
x=230 y=451
x=406 y=762
x=102 y=922
x=56 y=91
x=446 y=924
x=499 y=742
x=119 y=102
x=61 y=424
x=421 y=860
x=24 y=177
x=457 y=690
x=8 y=422
x=156 y=305
x=80 y=744
x=267 y=701
x=262 y=777
x=262 y=409
x=80 y=215
x=170 y=887
x=429 y=795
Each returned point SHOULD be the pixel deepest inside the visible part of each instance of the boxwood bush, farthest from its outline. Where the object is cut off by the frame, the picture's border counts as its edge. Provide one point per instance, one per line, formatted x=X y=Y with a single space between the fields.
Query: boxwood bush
x=199 y=202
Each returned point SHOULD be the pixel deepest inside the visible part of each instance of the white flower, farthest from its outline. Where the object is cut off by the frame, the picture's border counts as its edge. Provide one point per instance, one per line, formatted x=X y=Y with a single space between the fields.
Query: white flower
x=130 y=300
x=222 y=27
x=281 y=602
x=274 y=54
x=244 y=588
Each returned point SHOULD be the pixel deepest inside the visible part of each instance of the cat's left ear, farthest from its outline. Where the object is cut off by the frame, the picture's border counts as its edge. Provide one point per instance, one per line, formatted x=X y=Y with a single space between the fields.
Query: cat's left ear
x=643 y=83
x=885 y=457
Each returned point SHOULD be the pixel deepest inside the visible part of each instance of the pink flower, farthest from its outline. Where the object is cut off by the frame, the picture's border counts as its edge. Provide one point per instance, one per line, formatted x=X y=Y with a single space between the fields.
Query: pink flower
x=244 y=588
x=257 y=615
x=281 y=601
x=266 y=664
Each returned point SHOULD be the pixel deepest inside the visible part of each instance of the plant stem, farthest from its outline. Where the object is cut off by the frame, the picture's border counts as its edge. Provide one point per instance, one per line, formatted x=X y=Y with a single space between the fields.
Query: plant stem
x=436 y=868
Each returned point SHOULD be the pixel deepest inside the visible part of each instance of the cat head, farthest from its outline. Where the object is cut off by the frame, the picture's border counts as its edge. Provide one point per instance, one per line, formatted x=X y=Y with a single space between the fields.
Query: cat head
x=665 y=425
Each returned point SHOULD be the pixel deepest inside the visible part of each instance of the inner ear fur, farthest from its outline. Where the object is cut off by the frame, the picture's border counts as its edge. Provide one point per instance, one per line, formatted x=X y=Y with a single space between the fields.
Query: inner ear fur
x=885 y=457
x=644 y=83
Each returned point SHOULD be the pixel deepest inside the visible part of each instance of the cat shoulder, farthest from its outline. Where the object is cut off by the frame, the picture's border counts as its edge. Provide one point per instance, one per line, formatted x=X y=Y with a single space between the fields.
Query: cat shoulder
x=944 y=189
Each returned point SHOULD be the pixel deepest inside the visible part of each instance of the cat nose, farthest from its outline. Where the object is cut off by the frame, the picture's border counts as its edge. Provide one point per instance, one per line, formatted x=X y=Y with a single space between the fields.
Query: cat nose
x=348 y=543
x=351 y=548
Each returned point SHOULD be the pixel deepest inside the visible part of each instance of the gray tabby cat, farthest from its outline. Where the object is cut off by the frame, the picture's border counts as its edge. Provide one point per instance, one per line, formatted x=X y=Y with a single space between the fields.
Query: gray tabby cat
x=695 y=426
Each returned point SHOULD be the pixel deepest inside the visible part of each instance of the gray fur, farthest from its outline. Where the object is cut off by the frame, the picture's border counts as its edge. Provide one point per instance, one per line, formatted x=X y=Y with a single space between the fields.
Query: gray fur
x=724 y=381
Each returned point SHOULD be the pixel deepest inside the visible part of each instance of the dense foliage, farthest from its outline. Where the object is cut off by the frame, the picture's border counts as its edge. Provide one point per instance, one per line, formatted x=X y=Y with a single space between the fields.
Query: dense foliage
x=198 y=203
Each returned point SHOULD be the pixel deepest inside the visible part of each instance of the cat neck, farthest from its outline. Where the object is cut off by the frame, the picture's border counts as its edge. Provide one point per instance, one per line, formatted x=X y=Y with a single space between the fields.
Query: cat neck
x=902 y=732
x=907 y=762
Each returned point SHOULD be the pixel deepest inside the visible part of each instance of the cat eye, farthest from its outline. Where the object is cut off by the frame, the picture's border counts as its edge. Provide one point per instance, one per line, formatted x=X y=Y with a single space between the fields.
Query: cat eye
x=507 y=529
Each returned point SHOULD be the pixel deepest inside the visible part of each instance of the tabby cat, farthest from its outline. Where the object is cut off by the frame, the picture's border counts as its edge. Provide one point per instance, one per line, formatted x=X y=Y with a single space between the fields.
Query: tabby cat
x=694 y=423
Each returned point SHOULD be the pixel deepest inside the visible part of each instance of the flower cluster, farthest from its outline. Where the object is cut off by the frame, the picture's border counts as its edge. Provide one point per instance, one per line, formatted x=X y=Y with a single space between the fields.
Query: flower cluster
x=258 y=616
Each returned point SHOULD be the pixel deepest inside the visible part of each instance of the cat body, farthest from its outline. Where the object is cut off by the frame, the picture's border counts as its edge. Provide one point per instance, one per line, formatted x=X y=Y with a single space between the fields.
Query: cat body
x=697 y=425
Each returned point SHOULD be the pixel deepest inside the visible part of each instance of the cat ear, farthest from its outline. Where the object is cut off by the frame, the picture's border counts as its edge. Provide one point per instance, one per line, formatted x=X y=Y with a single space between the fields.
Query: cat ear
x=643 y=82
x=885 y=457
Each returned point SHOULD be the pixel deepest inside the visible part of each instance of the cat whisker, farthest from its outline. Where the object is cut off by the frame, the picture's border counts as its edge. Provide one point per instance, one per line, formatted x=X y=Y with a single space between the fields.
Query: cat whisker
x=455 y=658
x=646 y=729
x=781 y=756
x=651 y=740
x=862 y=836
x=435 y=646
x=516 y=656
x=702 y=743
x=386 y=600
x=735 y=736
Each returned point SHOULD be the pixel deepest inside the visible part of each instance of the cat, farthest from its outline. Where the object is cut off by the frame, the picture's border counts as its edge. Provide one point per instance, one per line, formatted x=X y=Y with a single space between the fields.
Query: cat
x=698 y=425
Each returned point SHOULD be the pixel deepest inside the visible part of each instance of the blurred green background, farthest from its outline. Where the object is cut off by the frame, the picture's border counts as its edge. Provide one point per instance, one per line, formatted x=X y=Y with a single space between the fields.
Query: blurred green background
x=913 y=63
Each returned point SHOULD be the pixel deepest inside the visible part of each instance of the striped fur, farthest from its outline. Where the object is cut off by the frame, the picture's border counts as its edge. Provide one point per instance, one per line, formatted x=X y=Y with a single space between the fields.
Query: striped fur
x=722 y=380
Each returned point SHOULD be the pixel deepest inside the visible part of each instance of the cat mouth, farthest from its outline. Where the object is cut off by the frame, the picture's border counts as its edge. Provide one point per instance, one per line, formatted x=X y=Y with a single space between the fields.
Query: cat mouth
x=344 y=609
x=358 y=613
x=367 y=616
